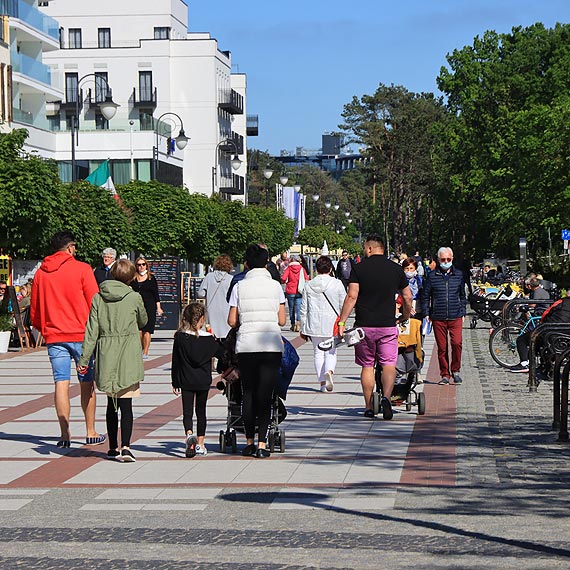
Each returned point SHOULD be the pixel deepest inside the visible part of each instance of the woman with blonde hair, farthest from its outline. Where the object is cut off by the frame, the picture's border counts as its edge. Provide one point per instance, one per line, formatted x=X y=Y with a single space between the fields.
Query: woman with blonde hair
x=146 y=285
x=215 y=288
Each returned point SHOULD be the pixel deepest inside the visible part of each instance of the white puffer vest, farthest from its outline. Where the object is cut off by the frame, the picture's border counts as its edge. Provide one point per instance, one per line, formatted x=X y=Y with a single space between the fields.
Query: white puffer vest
x=258 y=304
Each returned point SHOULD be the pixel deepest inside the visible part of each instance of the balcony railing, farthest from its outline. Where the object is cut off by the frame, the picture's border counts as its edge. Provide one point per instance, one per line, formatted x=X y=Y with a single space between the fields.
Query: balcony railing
x=145 y=98
x=31 y=16
x=252 y=125
x=237 y=187
x=30 y=67
x=27 y=118
x=231 y=101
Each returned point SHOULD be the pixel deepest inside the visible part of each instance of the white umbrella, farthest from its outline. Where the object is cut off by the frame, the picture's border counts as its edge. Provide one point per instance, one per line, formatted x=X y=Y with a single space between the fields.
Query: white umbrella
x=325 y=250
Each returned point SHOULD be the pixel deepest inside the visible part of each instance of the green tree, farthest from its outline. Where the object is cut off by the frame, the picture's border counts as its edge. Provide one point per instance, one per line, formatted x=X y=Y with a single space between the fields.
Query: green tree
x=505 y=153
x=396 y=127
x=31 y=198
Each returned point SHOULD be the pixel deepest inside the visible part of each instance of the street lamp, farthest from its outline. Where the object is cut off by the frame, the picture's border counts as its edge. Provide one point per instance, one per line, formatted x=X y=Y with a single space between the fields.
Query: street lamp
x=107 y=107
x=347 y=213
x=327 y=204
x=268 y=173
x=227 y=146
x=283 y=179
x=181 y=140
x=297 y=187
x=336 y=206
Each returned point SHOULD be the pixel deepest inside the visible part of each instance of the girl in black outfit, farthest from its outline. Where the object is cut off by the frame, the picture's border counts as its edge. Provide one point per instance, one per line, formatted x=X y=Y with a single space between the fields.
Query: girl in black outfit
x=192 y=355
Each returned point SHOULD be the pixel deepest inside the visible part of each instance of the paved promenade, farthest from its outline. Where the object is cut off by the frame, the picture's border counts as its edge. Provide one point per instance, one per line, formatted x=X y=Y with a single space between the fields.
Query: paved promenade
x=477 y=482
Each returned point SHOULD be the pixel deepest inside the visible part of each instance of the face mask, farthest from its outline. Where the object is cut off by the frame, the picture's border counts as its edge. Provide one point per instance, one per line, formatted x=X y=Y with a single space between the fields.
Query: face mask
x=410 y=274
x=445 y=265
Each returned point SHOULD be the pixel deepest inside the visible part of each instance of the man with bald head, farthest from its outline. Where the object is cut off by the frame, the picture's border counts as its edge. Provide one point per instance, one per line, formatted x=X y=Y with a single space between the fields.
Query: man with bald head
x=445 y=303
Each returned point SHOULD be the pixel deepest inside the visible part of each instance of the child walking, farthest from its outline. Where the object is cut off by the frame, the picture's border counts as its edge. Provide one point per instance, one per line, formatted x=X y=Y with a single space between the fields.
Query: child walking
x=117 y=314
x=192 y=355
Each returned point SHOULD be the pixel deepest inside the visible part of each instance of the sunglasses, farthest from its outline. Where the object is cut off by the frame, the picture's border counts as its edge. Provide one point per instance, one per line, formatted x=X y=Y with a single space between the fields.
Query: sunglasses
x=444 y=259
x=141 y=264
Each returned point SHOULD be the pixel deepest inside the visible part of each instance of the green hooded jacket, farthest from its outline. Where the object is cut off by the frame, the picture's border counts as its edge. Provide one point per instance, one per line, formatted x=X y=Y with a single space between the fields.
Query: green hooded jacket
x=117 y=314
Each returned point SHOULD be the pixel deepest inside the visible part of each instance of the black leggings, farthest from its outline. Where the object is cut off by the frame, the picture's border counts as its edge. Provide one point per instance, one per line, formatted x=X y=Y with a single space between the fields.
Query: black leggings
x=125 y=405
x=258 y=374
x=188 y=410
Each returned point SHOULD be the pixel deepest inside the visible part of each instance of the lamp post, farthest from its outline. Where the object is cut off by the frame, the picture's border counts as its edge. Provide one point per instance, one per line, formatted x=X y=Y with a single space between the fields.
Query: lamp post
x=108 y=109
x=268 y=173
x=227 y=146
x=181 y=140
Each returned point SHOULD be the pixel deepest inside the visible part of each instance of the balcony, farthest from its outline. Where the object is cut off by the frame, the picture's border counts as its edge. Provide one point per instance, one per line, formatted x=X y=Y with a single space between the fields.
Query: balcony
x=237 y=188
x=71 y=101
x=146 y=98
x=231 y=101
x=30 y=16
x=252 y=125
x=30 y=67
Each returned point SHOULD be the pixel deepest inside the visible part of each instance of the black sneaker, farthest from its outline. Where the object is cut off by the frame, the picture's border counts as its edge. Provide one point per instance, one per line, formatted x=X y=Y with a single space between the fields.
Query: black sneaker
x=387 y=412
x=369 y=414
x=249 y=450
x=191 y=442
x=113 y=453
x=457 y=379
x=444 y=380
x=127 y=456
x=520 y=368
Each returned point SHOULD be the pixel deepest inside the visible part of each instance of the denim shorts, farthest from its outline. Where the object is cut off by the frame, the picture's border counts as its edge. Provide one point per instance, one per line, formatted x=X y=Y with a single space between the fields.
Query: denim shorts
x=379 y=345
x=61 y=356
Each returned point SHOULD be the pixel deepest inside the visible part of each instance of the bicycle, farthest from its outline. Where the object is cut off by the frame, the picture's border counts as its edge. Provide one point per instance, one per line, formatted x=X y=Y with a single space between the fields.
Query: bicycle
x=503 y=340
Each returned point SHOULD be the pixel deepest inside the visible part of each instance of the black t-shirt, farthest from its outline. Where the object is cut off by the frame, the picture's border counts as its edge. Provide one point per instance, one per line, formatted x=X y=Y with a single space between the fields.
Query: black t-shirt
x=379 y=279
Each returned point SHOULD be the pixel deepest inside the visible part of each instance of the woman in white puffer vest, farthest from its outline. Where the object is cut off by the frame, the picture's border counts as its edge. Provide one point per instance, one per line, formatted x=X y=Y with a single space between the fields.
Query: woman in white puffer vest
x=321 y=304
x=257 y=306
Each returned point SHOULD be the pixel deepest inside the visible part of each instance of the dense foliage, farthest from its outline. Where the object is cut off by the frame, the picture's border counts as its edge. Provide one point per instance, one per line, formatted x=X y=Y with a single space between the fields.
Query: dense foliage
x=150 y=218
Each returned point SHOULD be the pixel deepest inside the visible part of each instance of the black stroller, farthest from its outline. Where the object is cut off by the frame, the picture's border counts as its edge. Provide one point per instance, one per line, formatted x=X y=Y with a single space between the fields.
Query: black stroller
x=489 y=307
x=408 y=366
x=231 y=387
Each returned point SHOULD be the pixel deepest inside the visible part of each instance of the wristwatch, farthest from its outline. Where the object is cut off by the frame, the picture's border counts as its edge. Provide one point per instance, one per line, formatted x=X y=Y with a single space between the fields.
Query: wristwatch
x=341 y=323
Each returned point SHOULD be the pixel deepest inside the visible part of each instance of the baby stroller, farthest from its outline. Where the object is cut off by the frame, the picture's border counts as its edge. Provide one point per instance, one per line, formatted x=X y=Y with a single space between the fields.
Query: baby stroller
x=232 y=389
x=408 y=365
x=488 y=306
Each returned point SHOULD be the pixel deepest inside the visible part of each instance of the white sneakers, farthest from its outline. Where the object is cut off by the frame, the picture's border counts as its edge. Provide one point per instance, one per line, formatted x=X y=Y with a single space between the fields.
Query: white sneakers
x=201 y=450
x=329 y=385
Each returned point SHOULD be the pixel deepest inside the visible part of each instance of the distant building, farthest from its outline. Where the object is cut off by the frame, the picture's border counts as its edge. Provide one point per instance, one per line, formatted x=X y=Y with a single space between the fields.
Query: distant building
x=331 y=157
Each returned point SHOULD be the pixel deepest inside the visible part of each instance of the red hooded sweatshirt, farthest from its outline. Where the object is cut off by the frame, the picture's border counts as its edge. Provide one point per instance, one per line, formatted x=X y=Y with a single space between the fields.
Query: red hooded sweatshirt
x=291 y=277
x=61 y=298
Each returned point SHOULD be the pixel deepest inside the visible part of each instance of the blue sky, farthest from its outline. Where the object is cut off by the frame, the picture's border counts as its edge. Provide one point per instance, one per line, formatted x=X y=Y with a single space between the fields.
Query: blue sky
x=305 y=59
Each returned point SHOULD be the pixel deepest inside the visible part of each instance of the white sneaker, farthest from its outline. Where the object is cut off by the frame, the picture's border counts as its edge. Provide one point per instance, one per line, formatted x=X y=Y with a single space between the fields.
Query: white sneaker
x=201 y=450
x=329 y=381
x=323 y=387
x=419 y=378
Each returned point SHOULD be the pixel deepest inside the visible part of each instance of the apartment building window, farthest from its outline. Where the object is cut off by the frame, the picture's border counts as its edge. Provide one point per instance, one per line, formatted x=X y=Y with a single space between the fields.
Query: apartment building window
x=104 y=35
x=71 y=87
x=54 y=123
x=101 y=124
x=101 y=84
x=74 y=38
x=161 y=33
x=40 y=4
x=145 y=85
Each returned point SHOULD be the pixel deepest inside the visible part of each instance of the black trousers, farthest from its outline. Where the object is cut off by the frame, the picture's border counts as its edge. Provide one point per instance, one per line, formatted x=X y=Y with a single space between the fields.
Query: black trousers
x=523 y=345
x=258 y=374
x=125 y=406
x=199 y=397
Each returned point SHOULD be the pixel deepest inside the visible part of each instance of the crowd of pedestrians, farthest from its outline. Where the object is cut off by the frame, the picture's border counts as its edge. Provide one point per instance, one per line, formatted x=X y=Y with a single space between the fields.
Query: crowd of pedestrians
x=102 y=321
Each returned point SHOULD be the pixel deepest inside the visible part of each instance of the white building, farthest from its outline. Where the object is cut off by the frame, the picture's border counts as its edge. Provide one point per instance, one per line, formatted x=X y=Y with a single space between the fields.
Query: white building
x=142 y=51
x=27 y=84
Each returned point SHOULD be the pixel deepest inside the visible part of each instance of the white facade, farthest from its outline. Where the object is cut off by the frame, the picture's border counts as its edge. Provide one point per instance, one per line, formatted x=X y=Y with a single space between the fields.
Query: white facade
x=155 y=68
x=31 y=34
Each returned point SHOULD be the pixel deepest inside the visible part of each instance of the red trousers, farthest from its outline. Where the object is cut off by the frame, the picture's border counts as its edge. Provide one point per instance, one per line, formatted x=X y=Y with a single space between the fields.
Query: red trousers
x=446 y=332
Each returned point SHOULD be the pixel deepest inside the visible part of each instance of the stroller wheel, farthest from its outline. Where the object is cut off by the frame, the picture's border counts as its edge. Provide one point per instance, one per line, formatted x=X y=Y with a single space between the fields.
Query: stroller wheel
x=282 y=441
x=271 y=440
x=234 y=441
x=421 y=403
x=375 y=403
x=408 y=406
x=222 y=442
x=473 y=323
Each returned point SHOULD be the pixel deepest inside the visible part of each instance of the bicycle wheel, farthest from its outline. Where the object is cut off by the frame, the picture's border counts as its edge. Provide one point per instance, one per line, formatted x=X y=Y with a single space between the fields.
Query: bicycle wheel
x=503 y=345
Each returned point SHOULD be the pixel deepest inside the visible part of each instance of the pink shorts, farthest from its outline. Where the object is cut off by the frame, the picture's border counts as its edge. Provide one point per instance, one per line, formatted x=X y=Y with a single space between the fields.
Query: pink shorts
x=380 y=345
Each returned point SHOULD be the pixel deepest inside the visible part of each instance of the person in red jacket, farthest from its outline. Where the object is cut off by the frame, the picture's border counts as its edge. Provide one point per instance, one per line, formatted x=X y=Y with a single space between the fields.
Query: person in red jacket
x=61 y=297
x=294 y=278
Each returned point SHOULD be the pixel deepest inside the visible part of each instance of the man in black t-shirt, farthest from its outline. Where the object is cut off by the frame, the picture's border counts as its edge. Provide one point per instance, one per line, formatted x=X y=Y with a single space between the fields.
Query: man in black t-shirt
x=372 y=289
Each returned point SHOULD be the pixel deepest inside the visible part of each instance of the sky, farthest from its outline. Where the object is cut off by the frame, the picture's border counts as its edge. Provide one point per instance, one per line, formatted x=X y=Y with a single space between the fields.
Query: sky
x=305 y=59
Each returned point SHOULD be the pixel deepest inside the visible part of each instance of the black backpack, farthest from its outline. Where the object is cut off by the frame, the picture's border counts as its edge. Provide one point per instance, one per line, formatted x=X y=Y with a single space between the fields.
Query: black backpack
x=558 y=312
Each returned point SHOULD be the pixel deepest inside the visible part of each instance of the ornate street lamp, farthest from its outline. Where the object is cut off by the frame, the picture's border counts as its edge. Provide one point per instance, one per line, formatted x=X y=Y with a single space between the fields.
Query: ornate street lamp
x=181 y=140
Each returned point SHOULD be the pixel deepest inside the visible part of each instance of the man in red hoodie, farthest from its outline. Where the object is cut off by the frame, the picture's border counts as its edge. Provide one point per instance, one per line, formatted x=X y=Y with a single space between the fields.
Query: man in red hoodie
x=60 y=303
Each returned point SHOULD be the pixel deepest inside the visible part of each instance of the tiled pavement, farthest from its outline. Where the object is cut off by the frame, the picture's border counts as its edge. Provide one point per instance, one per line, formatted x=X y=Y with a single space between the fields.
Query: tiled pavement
x=478 y=477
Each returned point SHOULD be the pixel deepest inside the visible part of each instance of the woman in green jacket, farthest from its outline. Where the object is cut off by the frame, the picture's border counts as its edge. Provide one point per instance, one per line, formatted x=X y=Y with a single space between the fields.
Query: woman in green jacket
x=112 y=333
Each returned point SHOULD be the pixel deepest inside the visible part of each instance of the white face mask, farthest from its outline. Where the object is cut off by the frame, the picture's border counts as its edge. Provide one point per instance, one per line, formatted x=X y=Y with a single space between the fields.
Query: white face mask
x=410 y=274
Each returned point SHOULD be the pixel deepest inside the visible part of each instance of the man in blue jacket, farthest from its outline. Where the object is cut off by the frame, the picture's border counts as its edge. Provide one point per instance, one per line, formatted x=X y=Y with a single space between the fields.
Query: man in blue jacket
x=444 y=302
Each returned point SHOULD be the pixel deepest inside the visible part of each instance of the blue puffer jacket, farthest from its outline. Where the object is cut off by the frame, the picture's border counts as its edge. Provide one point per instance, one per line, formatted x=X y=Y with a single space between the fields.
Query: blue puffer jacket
x=443 y=295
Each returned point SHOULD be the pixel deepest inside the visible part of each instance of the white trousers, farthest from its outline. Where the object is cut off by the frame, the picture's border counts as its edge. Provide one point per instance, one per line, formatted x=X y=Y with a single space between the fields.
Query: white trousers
x=325 y=360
